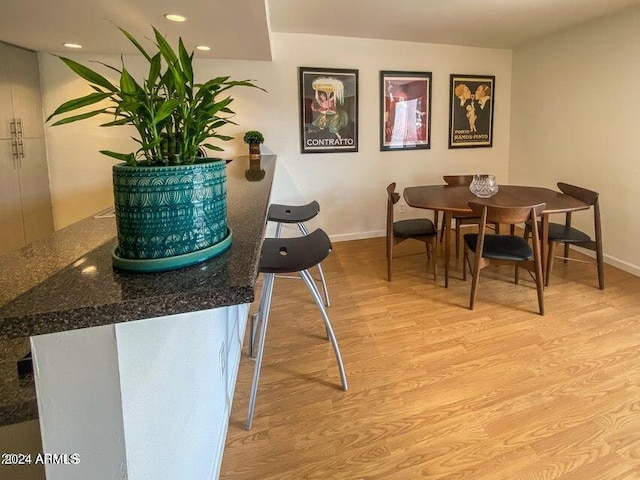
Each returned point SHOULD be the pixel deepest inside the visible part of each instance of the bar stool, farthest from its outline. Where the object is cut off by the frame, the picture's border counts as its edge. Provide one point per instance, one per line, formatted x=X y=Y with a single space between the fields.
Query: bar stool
x=297 y=214
x=289 y=255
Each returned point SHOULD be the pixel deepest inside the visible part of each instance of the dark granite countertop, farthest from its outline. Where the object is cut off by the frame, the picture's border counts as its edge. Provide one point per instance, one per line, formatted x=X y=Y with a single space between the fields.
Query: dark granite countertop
x=67 y=281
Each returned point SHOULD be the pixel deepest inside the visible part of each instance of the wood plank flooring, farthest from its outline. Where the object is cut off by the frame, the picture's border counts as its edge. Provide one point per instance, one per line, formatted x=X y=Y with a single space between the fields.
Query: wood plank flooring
x=438 y=391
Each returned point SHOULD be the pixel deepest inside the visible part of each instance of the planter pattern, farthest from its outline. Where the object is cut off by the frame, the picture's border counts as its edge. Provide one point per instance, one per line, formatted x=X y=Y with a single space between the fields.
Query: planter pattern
x=172 y=210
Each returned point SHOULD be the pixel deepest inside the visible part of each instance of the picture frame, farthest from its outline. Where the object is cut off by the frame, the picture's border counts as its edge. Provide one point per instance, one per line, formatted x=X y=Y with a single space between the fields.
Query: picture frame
x=328 y=110
x=405 y=110
x=471 y=106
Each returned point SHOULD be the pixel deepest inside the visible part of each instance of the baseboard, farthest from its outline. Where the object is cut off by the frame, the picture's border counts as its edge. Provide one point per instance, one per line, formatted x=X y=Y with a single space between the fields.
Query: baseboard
x=608 y=259
x=613 y=261
x=345 y=237
x=622 y=265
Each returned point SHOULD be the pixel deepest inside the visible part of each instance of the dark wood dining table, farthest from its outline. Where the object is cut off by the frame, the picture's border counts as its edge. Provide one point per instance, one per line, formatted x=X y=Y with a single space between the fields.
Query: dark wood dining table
x=455 y=199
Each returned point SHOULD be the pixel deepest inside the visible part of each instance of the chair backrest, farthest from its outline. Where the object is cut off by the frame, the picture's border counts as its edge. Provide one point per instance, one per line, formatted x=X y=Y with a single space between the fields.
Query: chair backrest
x=458 y=180
x=590 y=198
x=393 y=195
x=510 y=215
x=587 y=196
x=495 y=214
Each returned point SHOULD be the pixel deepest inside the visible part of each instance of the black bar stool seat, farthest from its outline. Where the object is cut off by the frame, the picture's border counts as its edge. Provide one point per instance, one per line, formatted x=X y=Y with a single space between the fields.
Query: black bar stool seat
x=288 y=255
x=297 y=214
x=292 y=213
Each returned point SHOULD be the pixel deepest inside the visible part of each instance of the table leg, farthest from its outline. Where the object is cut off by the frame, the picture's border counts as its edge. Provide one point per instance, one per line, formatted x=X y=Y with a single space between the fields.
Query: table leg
x=544 y=245
x=447 y=246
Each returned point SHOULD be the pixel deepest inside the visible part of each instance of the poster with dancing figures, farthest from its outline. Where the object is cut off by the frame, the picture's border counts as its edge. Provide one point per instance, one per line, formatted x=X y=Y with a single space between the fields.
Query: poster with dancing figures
x=328 y=110
x=471 y=111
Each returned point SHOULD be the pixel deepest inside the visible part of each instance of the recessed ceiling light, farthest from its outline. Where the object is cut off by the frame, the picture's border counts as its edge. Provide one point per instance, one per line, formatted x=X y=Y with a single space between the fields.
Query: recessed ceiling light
x=72 y=45
x=174 y=17
x=204 y=48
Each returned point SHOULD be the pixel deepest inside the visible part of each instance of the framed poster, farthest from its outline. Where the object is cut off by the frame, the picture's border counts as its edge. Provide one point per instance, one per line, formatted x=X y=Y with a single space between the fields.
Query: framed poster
x=328 y=110
x=471 y=111
x=405 y=110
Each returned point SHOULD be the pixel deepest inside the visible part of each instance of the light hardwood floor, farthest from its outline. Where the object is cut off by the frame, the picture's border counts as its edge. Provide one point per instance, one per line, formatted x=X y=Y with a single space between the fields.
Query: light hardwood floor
x=438 y=391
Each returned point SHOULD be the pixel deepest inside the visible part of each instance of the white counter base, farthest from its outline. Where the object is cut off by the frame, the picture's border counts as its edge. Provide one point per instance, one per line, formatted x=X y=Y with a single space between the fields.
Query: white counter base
x=148 y=399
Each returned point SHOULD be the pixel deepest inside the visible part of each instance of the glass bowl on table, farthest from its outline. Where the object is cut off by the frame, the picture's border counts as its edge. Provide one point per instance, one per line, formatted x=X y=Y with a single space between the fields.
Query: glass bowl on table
x=484 y=186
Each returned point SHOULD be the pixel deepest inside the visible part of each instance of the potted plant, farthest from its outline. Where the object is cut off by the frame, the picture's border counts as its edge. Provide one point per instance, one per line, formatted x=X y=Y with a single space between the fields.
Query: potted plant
x=170 y=205
x=254 y=138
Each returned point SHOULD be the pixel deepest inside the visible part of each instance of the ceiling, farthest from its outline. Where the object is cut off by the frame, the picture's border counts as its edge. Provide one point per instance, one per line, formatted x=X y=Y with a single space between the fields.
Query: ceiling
x=239 y=29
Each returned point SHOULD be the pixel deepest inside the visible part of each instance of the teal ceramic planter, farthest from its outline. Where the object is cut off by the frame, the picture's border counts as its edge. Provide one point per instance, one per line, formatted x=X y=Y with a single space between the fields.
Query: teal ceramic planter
x=170 y=217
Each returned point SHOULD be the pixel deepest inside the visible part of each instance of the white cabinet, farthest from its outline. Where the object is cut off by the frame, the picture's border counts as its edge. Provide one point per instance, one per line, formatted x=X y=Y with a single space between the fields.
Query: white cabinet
x=25 y=198
x=147 y=399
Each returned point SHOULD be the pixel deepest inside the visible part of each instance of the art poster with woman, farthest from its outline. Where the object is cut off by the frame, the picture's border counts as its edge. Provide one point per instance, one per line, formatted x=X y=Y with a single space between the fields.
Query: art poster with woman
x=471 y=111
x=328 y=110
x=405 y=108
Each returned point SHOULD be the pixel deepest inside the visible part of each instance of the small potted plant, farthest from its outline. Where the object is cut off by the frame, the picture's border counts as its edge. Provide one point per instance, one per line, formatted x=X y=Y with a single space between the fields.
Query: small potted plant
x=170 y=204
x=254 y=138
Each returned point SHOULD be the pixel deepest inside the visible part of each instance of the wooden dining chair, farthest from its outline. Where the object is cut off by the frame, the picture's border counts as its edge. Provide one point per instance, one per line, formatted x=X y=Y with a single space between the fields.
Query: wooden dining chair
x=509 y=249
x=421 y=229
x=461 y=219
x=568 y=235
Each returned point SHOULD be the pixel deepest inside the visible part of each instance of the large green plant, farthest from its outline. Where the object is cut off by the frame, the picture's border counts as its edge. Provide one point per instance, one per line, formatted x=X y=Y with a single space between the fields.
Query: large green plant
x=172 y=114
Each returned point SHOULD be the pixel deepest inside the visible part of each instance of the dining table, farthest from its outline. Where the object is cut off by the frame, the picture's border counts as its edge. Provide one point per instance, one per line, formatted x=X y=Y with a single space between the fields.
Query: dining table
x=455 y=200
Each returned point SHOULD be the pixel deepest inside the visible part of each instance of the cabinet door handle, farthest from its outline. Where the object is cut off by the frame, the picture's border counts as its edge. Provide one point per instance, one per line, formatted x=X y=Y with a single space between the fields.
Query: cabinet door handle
x=20 y=148
x=14 y=152
x=19 y=128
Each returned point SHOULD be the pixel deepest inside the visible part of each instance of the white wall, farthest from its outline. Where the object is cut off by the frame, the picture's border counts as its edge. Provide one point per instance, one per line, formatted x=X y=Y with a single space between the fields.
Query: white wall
x=574 y=119
x=349 y=186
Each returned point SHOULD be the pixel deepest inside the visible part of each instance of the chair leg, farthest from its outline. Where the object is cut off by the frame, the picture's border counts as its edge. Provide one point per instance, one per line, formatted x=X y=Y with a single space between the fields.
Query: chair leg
x=551 y=254
x=457 y=239
x=268 y=291
x=566 y=253
x=517 y=279
x=327 y=302
x=465 y=260
x=432 y=256
x=539 y=283
x=527 y=232
x=389 y=256
x=512 y=229
x=600 y=263
x=496 y=228
x=306 y=276
x=474 y=280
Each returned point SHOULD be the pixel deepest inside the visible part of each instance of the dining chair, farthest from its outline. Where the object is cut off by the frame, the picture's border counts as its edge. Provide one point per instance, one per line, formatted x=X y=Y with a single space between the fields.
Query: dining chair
x=568 y=235
x=504 y=249
x=461 y=219
x=421 y=229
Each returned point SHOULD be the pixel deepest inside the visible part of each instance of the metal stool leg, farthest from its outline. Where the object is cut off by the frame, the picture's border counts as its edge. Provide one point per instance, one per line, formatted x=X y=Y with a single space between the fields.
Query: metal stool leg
x=306 y=276
x=252 y=333
x=327 y=302
x=314 y=293
x=256 y=318
x=268 y=291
